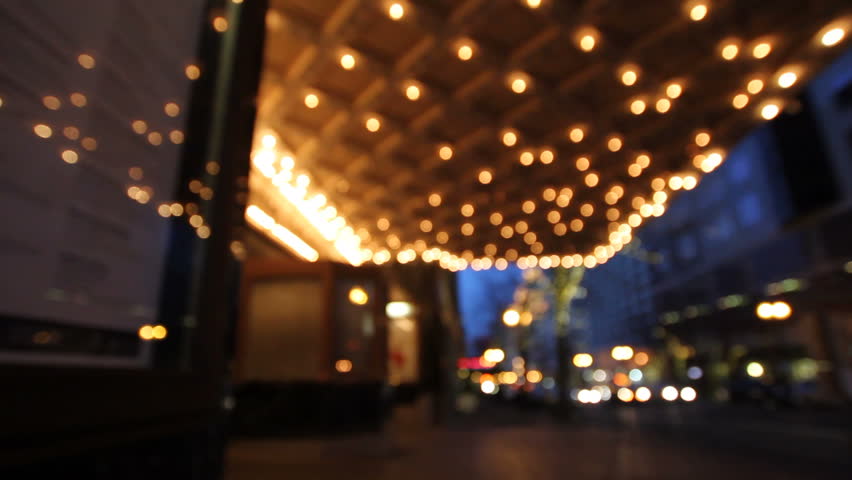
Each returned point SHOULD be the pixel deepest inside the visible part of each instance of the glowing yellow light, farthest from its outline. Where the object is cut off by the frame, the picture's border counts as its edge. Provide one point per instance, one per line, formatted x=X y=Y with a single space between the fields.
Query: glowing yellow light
x=582 y=164
x=625 y=394
x=192 y=72
x=689 y=182
x=755 y=370
x=139 y=126
x=787 y=79
x=343 y=365
x=643 y=394
x=740 y=101
x=485 y=177
x=660 y=197
x=383 y=224
x=465 y=52
x=637 y=107
x=546 y=157
x=494 y=355
x=688 y=394
x=261 y=220
x=534 y=376
x=664 y=105
x=89 y=143
x=674 y=90
x=358 y=296
x=554 y=216
x=69 y=156
x=781 y=310
x=526 y=158
x=634 y=170
x=833 y=37
x=755 y=86
x=587 y=43
x=426 y=226
x=496 y=218
x=629 y=77
x=560 y=229
x=159 y=332
x=582 y=360
x=511 y=317
x=347 y=61
x=576 y=134
x=172 y=109
x=43 y=130
x=762 y=50
x=51 y=103
x=146 y=332
x=521 y=226
x=770 y=111
x=442 y=237
x=311 y=100
x=396 y=11
x=592 y=179
x=519 y=85
x=702 y=139
x=533 y=3
x=730 y=51
x=467 y=210
x=488 y=387
x=614 y=144
x=576 y=225
x=507 y=231
x=176 y=136
x=510 y=138
x=79 y=100
x=155 y=138
x=669 y=393
x=641 y=359
x=698 y=12
x=467 y=229
x=86 y=61
x=412 y=92
x=528 y=206
x=220 y=24
x=373 y=124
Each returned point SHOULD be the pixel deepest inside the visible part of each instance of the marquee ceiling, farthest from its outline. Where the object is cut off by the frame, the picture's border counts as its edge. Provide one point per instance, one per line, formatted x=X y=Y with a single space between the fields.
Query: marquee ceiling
x=484 y=131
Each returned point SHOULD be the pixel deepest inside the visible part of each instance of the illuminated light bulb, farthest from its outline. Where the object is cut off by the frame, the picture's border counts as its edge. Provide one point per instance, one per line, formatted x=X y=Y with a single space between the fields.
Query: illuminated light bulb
x=530 y=238
x=465 y=52
x=383 y=224
x=587 y=43
x=527 y=158
x=467 y=229
x=192 y=72
x=576 y=134
x=155 y=138
x=396 y=11
x=583 y=164
x=546 y=157
x=549 y=194
x=787 y=79
x=373 y=124
x=485 y=177
x=501 y=264
x=467 y=210
x=702 y=139
x=587 y=209
x=637 y=107
x=521 y=227
x=689 y=182
x=533 y=3
x=670 y=393
x=172 y=109
x=554 y=216
x=176 y=136
x=51 y=103
x=833 y=37
x=519 y=85
x=576 y=225
x=426 y=226
x=592 y=179
x=78 y=100
x=610 y=198
x=347 y=61
x=590 y=261
x=660 y=197
x=761 y=50
x=560 y=229
x=646 y=210
x=69 y=156
x=699 y=160
x=445 y=152
x=698 y=12
x=510 y=138
x=629 y=77
x=139 y=126
x=664 y=105
x=528 y=206
x=311 y=100
x=740 y=101
x=86 y=61
x=507 y=231
x=674 y=90
x=613 y=214
x=442 y=237
x=563 y=200
x=675 y=182
x=643 y=160
x=730 y=51
x=269 y=141
x=435 y=199
x=496 y=218
x=634 y=220
x=770 y=111
x=755 y=86
x=43 y=130
x=614 y=144
x=220 y=24
x=634 y=170
x=412 y=92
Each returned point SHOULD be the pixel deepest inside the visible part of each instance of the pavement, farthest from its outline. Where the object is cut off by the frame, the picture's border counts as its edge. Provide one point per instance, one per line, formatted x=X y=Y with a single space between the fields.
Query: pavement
x=503 y=443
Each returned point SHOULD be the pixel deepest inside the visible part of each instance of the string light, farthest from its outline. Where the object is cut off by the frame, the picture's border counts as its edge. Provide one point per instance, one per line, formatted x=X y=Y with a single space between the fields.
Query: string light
x=762 y=50
x=311 y=100
x=755 y=86
x=396 y=11
x=770 y=110
x=509 y=137
x=740 y=101
x=832 y=37
x=347 y=61
x=674 y=90
x=663 y=105
x=698 y=12
x=787 y=79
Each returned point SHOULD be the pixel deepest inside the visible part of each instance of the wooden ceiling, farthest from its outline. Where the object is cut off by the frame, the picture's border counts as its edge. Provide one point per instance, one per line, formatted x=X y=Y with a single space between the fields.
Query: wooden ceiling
x=467 y=105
